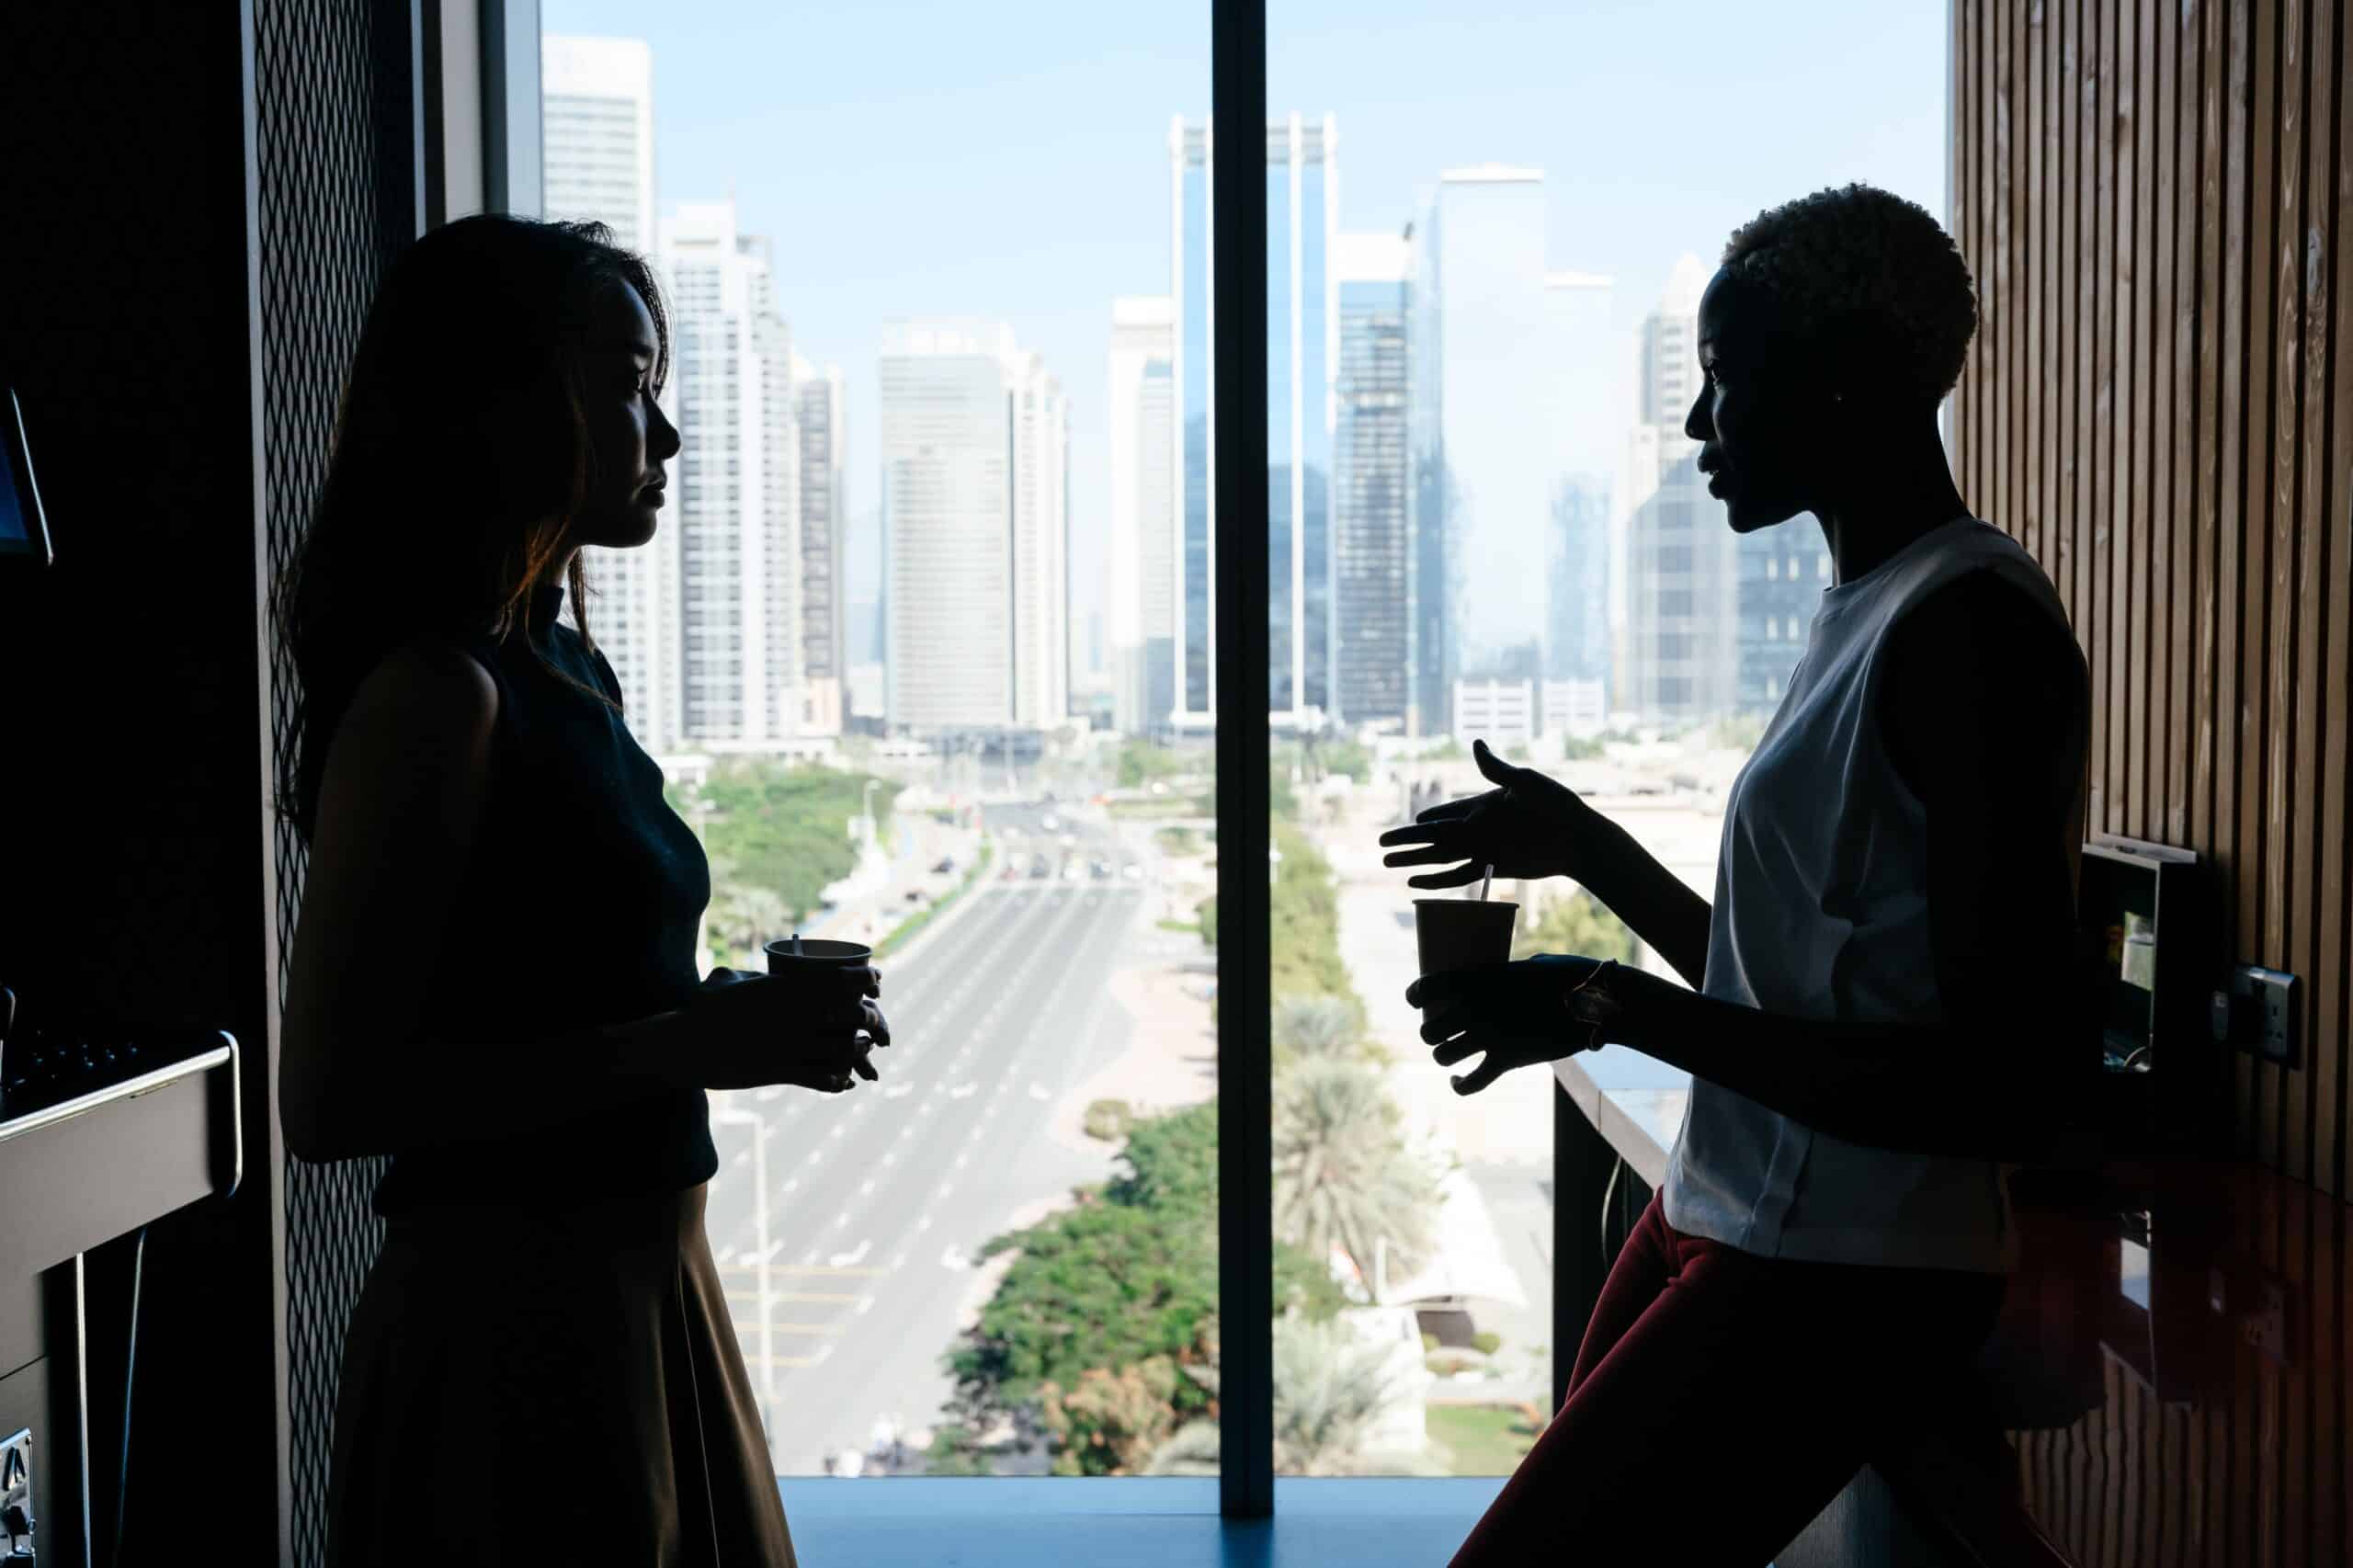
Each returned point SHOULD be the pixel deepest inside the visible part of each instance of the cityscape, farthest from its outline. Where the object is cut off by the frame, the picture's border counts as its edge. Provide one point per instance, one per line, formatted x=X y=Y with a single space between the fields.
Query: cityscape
x=945 y=706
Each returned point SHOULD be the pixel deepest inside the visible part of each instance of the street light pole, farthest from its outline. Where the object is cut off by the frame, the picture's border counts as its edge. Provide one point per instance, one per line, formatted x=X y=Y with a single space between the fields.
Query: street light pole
x=762 y=1274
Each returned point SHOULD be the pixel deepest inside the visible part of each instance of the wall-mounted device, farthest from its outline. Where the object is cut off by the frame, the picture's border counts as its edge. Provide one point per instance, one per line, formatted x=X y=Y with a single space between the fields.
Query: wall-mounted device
x=2147 y=914
x=24 y=532
x=2256 y=1009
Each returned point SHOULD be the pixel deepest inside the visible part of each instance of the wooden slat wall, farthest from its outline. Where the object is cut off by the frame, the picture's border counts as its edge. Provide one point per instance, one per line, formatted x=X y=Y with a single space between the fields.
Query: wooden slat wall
x=2152 y=195
x=2154 y=198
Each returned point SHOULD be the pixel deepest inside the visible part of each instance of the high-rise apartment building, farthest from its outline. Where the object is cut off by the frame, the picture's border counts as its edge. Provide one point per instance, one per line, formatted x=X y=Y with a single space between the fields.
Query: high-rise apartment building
x=737 y=485
x=819 y=414
x=1372 y=570
x=1139 y=597
x=598 y=121
x=974 y=437
x=1303 y=347
x=597 y=125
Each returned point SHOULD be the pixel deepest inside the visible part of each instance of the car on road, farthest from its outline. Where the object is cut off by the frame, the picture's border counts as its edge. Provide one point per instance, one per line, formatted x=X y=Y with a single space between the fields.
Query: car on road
x=1040 y=867
x=946 y=865
x=1050 y=822
x=1071 y=873
x=1132 y=872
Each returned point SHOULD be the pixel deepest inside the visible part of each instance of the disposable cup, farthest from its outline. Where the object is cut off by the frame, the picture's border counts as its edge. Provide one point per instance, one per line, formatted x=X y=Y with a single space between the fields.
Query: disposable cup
x=817 y=952
x=1462 y=933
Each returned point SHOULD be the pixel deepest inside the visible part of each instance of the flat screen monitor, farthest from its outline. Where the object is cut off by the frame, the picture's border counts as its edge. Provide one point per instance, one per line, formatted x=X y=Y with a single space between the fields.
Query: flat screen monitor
x=24 y=533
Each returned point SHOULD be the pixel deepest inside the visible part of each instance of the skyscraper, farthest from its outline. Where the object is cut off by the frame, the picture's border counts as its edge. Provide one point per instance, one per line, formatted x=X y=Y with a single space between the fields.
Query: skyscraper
x=1302 y=347
x=1590 y=420
x=1682 y=561
x=598 y=125
x=1783 y=570
x=1372 y=485
x=1141 y=590
x=824 y=657
x=739 y=513
x=596 y=98
x=974 y=440
x=1494 y=422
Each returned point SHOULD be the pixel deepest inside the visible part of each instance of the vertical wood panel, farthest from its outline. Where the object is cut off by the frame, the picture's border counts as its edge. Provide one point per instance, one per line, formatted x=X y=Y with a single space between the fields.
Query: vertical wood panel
x=2152 y=196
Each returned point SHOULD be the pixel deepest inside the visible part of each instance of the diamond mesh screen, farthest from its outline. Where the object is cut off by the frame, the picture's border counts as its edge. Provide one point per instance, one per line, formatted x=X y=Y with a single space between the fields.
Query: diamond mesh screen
x=321 y=153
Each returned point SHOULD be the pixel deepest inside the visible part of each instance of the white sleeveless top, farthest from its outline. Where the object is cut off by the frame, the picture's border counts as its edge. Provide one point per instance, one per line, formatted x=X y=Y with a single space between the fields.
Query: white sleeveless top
x=1821 y=912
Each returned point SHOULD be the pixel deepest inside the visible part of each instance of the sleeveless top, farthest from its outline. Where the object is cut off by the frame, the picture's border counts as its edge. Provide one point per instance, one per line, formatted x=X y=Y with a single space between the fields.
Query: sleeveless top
x=1821 y=912
x=580 y=909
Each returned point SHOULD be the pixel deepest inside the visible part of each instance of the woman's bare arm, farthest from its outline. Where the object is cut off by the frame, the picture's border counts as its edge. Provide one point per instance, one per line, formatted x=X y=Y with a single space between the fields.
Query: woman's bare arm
x=363 y=1066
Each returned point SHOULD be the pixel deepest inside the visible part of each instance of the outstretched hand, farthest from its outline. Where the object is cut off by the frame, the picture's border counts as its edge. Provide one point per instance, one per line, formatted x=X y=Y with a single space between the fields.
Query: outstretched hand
x=1526 y=827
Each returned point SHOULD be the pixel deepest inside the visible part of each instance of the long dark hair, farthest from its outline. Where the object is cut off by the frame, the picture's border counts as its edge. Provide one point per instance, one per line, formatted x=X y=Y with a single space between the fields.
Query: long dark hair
x=461 y=464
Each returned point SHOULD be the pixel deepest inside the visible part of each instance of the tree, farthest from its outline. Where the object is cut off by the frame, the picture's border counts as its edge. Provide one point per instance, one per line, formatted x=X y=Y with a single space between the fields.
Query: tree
x=1328 y=1388
x=1308 y=1027
x=1126 y=1278
x=1577 y=924
x=1303 y=913
x=741 y=917
x=1343 y=1176
x=783 y=827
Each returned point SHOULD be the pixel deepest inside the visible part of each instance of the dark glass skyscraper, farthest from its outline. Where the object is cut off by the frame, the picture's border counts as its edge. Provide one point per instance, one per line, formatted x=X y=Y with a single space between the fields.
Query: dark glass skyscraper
x=1372 y=483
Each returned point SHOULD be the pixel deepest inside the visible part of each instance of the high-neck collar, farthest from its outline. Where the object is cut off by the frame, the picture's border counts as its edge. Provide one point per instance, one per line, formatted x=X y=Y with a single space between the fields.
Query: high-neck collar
x=546 y=599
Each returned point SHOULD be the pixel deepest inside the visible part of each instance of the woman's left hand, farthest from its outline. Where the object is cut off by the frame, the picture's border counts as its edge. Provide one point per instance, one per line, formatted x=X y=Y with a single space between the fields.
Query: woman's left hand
x=1541 y=1010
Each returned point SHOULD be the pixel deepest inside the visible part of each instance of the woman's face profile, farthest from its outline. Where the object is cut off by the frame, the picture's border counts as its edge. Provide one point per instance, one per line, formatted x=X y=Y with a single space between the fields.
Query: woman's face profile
x=630 y=439
x=1761 y=415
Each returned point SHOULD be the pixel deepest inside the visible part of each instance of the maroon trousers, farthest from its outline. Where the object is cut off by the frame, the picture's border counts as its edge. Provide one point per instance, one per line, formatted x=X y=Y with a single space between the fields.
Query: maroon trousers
x=1721 y=1400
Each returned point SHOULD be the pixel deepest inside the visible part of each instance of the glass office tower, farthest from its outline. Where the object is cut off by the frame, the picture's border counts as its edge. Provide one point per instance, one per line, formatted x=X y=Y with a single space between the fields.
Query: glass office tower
x=1303 y=347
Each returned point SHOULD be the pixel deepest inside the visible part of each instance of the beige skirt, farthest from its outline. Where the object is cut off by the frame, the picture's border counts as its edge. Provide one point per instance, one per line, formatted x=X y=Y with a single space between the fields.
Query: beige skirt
x=550 y=1386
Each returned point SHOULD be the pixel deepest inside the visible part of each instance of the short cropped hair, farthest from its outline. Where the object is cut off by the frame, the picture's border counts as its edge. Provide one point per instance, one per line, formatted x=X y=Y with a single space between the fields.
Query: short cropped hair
x=1859 y=261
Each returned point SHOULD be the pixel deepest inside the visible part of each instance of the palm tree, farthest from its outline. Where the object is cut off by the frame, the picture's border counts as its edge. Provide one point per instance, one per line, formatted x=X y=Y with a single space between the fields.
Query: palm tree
x=1342 y=1174
x=1313 y=1026
x=1329 y=1386
x=741 y=917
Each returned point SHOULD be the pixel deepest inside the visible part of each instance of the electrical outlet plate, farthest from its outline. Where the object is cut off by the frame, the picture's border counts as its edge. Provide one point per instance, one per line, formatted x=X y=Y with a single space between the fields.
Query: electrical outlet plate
x=2265 y=1006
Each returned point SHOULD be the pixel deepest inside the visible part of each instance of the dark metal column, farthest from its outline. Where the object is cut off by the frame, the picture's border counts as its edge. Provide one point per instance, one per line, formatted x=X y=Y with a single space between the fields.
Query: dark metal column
x=1238 y=545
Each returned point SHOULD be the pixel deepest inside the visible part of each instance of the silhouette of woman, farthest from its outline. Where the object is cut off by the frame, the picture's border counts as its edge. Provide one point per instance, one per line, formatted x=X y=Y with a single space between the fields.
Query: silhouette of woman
x=1884 y=999
x=493 y=979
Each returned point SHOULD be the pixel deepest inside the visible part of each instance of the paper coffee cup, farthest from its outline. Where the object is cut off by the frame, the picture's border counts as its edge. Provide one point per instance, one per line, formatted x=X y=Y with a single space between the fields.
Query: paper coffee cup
x=1462 y=933
x=817 y=952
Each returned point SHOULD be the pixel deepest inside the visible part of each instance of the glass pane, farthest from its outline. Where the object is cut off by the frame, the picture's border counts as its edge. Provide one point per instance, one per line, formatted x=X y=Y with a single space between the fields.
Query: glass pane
x=1481 y=342
x=924 y=647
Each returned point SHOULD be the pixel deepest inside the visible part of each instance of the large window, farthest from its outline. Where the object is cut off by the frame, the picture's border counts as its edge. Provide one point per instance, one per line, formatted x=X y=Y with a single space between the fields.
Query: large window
x=937 y=647
x=1520 y=210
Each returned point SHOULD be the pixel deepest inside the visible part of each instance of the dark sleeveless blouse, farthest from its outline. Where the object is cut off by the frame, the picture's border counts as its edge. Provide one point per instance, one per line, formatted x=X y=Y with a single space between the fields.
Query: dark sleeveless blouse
x=580 y=909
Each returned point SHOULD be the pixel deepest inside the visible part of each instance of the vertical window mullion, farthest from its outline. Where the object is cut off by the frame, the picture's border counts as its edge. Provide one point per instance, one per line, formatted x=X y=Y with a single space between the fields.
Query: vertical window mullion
x=1246 y=1155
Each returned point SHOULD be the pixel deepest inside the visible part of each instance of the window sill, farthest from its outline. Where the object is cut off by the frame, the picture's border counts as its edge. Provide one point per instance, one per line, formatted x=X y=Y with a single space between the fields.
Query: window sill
x=1130 y=1522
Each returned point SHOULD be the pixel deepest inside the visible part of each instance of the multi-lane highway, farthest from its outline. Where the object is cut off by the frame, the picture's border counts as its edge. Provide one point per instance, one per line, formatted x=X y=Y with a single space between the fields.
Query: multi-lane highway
x=879 y=1200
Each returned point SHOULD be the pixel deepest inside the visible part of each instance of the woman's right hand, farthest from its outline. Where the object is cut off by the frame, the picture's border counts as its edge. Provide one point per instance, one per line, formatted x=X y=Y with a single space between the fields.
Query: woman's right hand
x=1526 y=827
x=812 y=1028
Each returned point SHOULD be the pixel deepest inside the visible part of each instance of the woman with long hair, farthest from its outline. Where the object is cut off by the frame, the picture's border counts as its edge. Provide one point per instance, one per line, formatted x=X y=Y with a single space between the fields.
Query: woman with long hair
x=1884 y=1001
x=494 y=978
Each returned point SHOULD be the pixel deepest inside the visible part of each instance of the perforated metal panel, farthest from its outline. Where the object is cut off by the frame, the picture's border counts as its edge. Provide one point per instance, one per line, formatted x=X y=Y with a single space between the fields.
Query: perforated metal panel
x=324 y=147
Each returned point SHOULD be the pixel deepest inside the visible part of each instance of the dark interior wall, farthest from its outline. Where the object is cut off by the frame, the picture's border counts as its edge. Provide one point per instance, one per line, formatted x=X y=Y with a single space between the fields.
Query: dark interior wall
x=2155 y=199
x=2159 y=404
x=131 y=863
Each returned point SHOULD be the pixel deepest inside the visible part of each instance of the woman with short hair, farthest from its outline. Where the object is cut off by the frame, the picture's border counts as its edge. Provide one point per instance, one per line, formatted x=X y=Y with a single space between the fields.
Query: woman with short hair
x=1883 y=999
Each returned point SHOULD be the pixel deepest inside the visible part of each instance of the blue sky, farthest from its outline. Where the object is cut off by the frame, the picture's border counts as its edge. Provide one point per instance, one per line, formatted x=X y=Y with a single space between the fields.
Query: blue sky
x=1009 y=161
